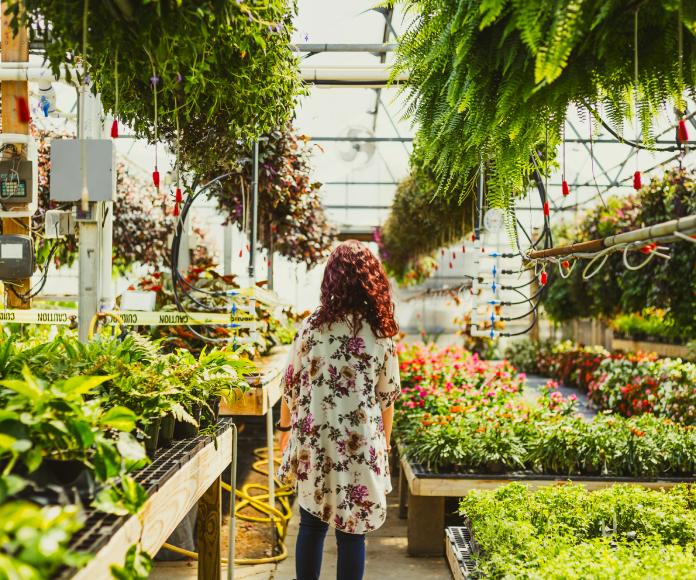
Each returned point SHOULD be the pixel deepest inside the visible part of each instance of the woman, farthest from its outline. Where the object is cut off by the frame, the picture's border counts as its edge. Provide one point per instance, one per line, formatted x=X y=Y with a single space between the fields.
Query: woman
x=336 y=416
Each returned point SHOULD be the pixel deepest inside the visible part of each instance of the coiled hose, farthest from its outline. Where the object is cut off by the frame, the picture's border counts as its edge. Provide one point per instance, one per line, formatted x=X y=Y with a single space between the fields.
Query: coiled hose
x=248 y=497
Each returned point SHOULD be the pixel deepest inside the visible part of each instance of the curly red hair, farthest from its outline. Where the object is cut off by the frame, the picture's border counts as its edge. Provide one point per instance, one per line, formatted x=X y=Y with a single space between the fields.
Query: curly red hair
x=355 y=288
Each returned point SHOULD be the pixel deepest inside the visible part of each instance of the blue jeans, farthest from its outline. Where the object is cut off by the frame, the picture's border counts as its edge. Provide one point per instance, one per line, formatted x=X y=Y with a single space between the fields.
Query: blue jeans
x=310 y=547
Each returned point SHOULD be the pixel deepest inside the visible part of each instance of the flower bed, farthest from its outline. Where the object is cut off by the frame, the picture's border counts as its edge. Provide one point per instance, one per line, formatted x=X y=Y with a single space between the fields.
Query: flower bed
x=665 y=387
x=448 y=423
x=626 y=383
x=567 y=532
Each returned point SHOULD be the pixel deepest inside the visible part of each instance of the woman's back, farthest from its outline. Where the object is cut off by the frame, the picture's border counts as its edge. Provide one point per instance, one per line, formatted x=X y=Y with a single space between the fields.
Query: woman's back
x=337 y=383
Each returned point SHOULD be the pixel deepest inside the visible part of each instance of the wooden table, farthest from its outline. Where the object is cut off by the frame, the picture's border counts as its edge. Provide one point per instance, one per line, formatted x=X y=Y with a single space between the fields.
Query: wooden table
x=196 y=481
x=265 y=387
x=422 y=496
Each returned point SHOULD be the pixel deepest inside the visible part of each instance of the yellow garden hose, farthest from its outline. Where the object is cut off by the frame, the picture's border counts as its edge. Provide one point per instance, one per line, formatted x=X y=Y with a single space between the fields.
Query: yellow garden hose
x=248 y=497
x=97 y=317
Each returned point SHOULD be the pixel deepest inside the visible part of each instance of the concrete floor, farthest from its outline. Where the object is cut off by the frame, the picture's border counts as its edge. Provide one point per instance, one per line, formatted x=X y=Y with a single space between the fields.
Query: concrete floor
x=386 y=553
x=386 y=557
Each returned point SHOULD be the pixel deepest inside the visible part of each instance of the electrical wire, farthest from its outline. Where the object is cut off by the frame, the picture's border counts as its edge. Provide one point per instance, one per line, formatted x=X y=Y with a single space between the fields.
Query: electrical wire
x=39 y=286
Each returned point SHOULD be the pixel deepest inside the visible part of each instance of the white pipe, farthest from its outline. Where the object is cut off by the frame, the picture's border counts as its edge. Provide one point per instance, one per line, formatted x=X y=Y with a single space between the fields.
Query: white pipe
x=32 y=75
x=655 y=231
x=366 y=75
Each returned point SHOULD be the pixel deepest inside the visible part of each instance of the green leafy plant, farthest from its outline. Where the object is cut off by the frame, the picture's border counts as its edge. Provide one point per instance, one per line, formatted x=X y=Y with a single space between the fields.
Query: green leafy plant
x=56 y=420
x=34 y=540
x=491 y=82
x=137 y=566
x=215 y=62
x=567 y=532
x=667 y=285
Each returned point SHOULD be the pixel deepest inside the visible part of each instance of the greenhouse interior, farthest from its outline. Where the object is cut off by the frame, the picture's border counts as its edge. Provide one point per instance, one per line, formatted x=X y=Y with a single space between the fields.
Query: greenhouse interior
x=418 y=275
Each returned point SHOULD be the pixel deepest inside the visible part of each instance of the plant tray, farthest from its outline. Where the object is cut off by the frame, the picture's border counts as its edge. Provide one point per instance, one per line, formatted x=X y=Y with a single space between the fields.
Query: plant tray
x=99 y=527
x=460 y=549
x=423 y=481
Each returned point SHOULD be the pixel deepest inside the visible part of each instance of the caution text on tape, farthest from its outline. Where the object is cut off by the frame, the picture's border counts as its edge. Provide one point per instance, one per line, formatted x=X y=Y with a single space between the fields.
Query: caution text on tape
x=132 y=318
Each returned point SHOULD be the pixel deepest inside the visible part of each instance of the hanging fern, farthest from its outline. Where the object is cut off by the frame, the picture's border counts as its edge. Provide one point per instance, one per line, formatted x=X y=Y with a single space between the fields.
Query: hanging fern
x=492 y=80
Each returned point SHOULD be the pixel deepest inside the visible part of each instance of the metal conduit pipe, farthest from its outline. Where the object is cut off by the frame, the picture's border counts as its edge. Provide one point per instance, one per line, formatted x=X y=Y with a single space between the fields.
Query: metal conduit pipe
x=686 y=225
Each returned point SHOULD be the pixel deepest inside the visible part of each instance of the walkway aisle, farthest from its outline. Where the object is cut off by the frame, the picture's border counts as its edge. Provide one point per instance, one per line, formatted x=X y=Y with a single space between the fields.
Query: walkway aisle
x=386 y=553
x=535 y=383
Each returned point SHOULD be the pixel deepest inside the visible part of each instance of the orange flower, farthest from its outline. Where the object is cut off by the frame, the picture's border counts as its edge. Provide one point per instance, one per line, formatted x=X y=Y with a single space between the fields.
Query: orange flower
x=456 y=409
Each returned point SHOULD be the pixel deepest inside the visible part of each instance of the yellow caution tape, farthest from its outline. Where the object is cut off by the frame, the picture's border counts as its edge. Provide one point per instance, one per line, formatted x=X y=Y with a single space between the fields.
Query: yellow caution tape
x=133 y=318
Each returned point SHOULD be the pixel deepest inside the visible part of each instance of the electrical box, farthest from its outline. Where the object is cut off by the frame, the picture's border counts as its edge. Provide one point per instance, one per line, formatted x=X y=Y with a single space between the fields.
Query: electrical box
x=16 y=182
x=66 y=175
x=59 y=223
x=138 y=300
x=16 y=257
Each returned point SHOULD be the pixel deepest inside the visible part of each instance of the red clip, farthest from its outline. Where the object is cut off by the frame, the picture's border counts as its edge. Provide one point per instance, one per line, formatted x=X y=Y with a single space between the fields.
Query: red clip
x=176 y=209
x=565 y=189
x=637 y=182
x=450 y=265
x=682 y=133
x=114 y=129
x=177 y=196
x=546 y=209
x=565 y=264
x=543 y=278
x=155 y=178
x=473 y=237
x=647 y=248
x=241 y=253
x=23 y=110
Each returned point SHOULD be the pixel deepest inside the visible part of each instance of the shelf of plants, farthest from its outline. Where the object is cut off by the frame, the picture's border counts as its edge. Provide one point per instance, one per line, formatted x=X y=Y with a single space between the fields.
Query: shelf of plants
x=463 y=423
x=104 y=448
x=626 y=383
x=565 y=531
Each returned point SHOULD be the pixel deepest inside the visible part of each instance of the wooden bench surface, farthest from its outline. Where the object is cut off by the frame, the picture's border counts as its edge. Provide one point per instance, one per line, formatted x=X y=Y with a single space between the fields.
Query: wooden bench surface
x=164 y=509
x=457 y=486
x=265 y=387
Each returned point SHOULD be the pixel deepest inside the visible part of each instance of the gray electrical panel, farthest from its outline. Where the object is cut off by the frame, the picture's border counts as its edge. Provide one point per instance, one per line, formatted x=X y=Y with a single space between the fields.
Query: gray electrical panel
x=16 y=257
x=66 y=177
x=16 y=182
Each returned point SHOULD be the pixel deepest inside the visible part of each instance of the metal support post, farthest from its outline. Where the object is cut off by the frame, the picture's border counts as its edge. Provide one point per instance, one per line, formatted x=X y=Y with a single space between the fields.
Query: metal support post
x=91 y=257
x=233 y=506
x=228 y=230
x=253 y=233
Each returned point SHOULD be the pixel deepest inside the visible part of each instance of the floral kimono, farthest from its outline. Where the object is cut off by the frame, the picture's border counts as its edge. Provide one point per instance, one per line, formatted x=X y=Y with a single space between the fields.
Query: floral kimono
x=336 y=385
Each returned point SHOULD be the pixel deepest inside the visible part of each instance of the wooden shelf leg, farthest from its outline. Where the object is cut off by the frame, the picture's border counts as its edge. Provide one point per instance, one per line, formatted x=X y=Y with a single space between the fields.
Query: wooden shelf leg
x=426 y=525
x=208 y=532
x=403 y=494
